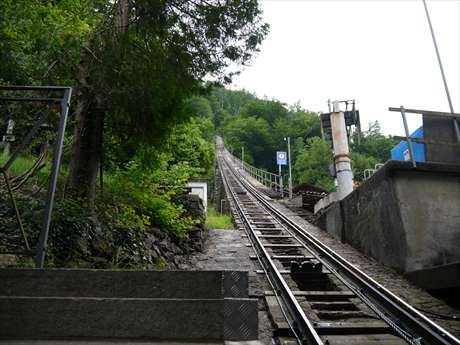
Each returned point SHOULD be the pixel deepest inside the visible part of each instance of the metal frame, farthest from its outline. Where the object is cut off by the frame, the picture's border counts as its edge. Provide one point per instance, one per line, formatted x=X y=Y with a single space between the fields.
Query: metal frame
x=408 y=138
x=64 y=103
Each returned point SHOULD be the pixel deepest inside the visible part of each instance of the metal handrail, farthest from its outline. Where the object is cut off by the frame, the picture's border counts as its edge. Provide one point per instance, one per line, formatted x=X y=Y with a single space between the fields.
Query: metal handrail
x=268 y=179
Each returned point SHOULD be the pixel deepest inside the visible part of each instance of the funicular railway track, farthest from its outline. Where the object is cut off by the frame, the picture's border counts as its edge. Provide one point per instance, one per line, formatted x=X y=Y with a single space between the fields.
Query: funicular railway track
x=324 y=298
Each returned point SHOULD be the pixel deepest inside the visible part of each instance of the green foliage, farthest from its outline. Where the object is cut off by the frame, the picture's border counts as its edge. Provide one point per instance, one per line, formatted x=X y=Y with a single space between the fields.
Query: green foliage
x=260 y=125
x=40 y=41
x=252 y=133
x=298 y=124
x=361 y=162
x=144 y=76
x=373 y=148
x=138 y=197
x=312 y=164
x=198 y=106
x=193 y=143
x=217 y=221
x=374 y=143
x=268 y=110
x=228 y=101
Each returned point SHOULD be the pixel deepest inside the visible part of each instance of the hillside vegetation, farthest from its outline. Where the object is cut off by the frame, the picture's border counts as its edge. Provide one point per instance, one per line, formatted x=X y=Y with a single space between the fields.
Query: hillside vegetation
x=136 y=131
x=260 y=125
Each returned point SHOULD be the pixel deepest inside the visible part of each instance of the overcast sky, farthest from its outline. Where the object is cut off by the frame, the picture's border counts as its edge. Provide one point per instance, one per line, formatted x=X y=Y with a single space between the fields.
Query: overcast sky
x=377 y=52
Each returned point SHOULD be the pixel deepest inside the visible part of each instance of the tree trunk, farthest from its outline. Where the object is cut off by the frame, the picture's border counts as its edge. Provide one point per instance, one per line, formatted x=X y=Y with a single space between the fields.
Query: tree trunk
x=88 y=138
x=90 y=113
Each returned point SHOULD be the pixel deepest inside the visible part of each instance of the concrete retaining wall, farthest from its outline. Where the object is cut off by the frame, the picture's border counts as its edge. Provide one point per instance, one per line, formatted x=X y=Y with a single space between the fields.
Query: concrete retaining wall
x=405 y=218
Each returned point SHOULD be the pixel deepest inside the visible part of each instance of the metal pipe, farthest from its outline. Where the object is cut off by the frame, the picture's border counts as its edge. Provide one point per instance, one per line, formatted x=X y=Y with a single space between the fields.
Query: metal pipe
x=280 y=180
x=290 y=168
x=444 y=80
x=341 y=152
x=33 y=88
x=30 y=99
x=409 y=141
x=43 y=239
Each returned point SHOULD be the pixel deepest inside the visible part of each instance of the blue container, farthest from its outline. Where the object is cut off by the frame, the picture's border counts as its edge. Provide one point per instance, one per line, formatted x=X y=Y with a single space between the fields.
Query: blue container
x=401 y=151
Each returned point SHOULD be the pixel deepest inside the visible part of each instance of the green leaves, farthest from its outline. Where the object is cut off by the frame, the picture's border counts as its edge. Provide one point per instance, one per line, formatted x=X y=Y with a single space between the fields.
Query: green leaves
x=40 y=41
x=312 y=164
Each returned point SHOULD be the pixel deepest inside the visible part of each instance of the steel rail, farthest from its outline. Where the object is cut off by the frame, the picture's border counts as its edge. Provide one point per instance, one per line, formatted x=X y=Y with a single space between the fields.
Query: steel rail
x=401 y=312
x=302 y=324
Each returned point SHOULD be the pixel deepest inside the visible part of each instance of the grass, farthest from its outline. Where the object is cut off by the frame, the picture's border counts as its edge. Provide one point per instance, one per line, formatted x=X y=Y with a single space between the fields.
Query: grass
x=20 y=165
x=215 y=220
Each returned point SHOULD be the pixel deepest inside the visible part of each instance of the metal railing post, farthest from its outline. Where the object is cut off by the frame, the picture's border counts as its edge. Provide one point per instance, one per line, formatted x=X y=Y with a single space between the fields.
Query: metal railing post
x=409 y=141
x=43 y=239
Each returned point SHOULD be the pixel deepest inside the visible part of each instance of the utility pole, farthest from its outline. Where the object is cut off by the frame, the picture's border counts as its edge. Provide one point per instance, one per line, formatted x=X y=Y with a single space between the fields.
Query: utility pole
x=444 y=80
x=290 y=167
x=242 y=158
x=341 y=152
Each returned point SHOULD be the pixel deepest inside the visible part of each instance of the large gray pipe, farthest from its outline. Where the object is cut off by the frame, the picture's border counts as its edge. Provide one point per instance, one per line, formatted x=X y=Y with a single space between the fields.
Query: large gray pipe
x=341 y=152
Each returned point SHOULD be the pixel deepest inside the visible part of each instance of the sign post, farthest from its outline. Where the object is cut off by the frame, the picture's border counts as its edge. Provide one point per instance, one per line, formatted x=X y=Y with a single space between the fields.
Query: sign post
x=281 y=159
x=290 y=167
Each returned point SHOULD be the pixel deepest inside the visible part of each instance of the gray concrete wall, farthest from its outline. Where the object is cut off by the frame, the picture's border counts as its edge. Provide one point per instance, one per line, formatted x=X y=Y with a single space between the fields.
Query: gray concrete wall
x=405 y=218
x=429 y=204
x=440 y=130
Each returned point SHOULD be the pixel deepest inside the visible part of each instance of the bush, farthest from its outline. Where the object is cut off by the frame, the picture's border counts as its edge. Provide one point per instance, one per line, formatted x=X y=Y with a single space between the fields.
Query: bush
x=139 y=197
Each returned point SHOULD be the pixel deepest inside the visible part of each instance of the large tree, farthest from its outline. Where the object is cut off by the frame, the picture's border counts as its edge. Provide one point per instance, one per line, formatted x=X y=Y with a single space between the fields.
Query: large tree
x=143 y=61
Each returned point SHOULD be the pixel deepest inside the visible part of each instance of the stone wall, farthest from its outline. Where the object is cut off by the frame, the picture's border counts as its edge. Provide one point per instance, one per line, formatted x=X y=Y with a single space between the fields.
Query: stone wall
x=169 y=252
x=219 y=196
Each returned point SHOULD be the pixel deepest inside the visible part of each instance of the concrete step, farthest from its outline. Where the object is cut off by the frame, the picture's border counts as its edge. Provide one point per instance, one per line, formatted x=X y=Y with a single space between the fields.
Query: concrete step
x=125 y=342
x=119 y=305
x=132 y=318
x=123 y=283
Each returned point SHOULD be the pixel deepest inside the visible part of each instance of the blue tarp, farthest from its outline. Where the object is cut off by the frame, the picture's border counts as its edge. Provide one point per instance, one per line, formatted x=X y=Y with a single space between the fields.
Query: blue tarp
x=401 y=151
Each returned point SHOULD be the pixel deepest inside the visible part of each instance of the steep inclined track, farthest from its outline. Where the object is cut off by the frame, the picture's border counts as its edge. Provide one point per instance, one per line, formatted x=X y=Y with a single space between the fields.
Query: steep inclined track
x=323 y=298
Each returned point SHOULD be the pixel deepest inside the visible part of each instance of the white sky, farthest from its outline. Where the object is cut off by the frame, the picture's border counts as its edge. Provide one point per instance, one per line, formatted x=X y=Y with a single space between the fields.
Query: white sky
x=379 y=53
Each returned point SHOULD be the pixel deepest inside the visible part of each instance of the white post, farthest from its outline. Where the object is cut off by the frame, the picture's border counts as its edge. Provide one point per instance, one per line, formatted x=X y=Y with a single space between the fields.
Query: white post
x=281 y=180
x=242 y=158
x=290 y=169
x=341 y=152
x=7 y=138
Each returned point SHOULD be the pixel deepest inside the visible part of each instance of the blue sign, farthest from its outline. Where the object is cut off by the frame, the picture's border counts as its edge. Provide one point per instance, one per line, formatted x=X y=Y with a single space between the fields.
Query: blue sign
x=281 y=158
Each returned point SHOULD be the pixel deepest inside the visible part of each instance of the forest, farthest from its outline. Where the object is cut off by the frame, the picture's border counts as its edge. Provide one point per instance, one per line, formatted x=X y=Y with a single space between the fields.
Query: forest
x=149 y=80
